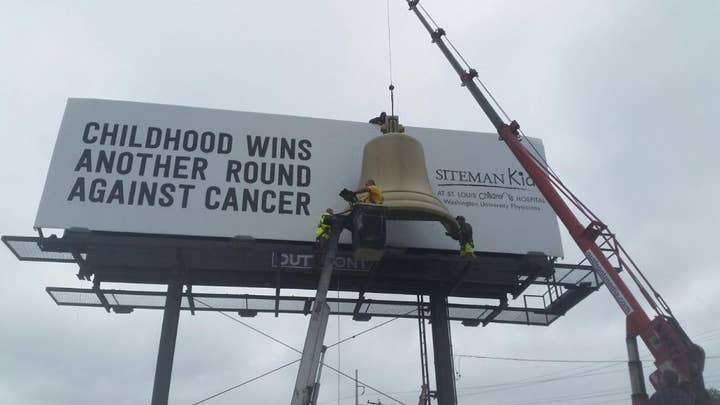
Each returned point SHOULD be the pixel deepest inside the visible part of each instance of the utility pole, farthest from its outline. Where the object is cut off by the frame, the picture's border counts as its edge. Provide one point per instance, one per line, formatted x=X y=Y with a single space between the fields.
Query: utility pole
x=356 y=388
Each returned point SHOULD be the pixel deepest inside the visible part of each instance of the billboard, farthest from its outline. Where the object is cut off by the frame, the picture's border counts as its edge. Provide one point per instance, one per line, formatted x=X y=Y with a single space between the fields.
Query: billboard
x=151 y=168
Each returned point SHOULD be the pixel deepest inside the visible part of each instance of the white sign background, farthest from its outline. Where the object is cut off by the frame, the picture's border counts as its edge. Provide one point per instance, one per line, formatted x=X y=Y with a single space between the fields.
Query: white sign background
x=473 y=173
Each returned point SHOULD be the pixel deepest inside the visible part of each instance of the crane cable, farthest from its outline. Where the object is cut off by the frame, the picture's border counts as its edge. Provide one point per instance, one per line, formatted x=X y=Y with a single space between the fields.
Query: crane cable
x=391 y=87
x=390 y=70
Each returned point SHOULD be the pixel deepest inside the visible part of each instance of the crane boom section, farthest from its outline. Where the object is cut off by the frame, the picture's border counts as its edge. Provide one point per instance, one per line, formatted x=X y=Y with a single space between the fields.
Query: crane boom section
x=663 y=336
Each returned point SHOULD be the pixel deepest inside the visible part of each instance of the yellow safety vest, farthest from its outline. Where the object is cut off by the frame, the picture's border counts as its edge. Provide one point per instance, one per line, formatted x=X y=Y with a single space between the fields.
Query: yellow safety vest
x=323 y=228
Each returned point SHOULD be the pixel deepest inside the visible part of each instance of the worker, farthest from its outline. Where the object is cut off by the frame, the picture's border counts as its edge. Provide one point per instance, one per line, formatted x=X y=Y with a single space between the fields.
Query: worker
x=670 y=392
x=374 y=193
x=322 y=232
x=379 y=120
x=465 y=237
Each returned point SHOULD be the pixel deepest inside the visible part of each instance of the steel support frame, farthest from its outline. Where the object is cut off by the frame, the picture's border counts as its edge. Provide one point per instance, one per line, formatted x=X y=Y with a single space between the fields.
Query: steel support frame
x=168 y=337
x=442 y=350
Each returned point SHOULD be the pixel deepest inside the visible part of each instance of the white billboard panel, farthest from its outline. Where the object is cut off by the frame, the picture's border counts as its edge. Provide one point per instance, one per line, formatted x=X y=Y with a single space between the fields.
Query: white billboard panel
x=151 y=168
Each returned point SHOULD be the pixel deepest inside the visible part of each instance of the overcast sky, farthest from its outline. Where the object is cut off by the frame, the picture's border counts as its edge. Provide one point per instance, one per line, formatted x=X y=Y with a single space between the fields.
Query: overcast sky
x=625 y=96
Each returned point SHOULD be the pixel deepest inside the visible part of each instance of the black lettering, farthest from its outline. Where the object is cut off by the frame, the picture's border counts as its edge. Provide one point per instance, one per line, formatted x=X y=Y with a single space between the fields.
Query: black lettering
x=133 y=134
x=131 y=194
x=180 y=167
x=230 y=200
x=284 y=202
x=86 y=133
x=207 y=142
x=251 y=172
x=511 y=177
x=250 y=199
x=154 y=137
x=257 y=146
x=124 y=164
x=185 y=192
x=225 y=143
x=274 y=147
x=123 y=134
x=105 y=161
x=116 y=193
x=285 y=174
x=167 y=199
x=303 y=176
x=190 y=141
x=267 y=197
x=303 y=203
x=85 y=161
x=147 y=194
x=267 y=173
x=209 y=203
x=143 y=161
x=108 y=134
x=165 y=166
x=171 y=140
x=198 y=169
x=304 y=145
x=97 y=190
x=78 y=190
x=233 y=171
x=287 y=148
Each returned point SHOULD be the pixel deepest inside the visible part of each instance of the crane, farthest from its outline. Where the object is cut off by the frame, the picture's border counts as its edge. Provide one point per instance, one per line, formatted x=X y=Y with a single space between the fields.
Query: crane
x=664 y=337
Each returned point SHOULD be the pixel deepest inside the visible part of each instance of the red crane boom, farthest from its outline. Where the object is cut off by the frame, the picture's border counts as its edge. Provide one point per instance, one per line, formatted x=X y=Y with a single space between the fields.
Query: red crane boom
x=663 y=336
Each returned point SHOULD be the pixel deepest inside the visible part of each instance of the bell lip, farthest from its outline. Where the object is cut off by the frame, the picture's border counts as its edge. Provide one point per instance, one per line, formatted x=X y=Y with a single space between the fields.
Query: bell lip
x=425 y=214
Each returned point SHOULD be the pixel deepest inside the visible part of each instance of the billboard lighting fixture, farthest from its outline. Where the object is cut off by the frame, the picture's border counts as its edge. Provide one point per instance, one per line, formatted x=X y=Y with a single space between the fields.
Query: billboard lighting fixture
x=122 y=309
x=471 y=322
x=361 y=317
x=247 y=313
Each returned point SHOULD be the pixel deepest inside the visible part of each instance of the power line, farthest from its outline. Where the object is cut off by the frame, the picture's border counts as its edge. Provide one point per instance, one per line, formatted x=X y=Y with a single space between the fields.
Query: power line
x=708 y=331
x=483 y=389
x=575 y=397
x=349 y=377
x=245 y=382
x=535 y=381
x=299 y=351
x=556 y=360
x=249 y=326
x=369 y=329
x=539 y=360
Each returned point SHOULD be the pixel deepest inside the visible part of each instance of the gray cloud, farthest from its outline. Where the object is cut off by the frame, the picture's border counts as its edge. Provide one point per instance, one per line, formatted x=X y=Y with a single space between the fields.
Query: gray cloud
x=623 y=94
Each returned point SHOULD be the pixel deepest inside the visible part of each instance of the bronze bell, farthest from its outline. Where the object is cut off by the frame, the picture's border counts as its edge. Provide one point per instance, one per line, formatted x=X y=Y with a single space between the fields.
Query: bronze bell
x=397 y=164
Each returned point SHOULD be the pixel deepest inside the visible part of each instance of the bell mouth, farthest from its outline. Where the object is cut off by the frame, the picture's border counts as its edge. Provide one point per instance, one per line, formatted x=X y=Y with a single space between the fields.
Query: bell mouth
x=409 y=205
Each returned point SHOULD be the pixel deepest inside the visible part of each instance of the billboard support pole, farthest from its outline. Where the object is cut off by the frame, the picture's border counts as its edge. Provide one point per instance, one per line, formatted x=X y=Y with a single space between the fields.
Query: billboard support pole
x=168 y=335
x=442 y=349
